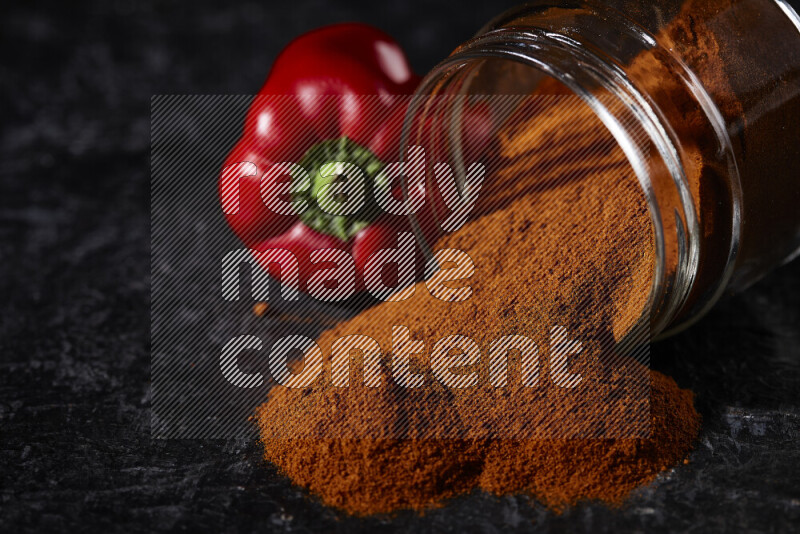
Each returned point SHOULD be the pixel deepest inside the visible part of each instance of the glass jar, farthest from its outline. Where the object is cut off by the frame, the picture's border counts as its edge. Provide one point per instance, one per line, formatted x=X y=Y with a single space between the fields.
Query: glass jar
x=703 y=97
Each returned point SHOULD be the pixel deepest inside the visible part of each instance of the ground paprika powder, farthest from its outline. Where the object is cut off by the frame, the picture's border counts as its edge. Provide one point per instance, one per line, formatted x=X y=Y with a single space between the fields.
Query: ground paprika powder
x=608 y=261
x=577 y=249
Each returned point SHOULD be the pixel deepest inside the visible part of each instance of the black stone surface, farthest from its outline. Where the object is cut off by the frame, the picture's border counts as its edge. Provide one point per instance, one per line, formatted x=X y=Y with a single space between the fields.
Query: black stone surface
x=75 y=449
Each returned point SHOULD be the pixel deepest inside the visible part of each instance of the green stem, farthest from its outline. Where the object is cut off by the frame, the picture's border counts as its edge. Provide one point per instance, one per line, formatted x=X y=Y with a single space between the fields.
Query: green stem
x=320 y=163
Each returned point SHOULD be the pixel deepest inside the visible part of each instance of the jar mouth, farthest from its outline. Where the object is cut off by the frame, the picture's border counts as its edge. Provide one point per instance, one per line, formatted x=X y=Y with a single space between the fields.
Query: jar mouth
x=582 y=70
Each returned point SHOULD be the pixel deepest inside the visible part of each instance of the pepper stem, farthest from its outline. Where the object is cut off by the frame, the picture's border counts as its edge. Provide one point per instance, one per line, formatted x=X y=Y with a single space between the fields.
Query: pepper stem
x=340 y=199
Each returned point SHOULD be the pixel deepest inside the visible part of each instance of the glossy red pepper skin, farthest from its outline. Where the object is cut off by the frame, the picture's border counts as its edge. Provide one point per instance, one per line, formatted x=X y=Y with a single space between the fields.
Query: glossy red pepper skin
x=345 y=61
x=301 y=241
x=382 y=234
x=252 y=221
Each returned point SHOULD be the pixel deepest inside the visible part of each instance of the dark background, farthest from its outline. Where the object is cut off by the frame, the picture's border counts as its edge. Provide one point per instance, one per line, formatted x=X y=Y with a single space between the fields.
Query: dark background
x=76 y=80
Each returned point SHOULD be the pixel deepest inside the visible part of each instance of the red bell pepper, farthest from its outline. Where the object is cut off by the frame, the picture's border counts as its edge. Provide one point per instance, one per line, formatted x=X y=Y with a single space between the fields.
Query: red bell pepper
x=314 y=108
x=326 y=117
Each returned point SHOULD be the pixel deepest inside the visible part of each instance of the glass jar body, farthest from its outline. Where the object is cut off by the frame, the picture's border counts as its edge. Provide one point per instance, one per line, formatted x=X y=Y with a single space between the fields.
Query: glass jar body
x=704 y=98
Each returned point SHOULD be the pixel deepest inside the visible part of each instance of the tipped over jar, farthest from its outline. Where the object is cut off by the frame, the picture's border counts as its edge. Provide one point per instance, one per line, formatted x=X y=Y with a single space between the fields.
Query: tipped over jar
x=703 y=98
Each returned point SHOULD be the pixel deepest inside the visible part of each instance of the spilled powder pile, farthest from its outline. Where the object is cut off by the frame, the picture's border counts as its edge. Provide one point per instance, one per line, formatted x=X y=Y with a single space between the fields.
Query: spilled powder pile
x=571 y=245
x=372 y=476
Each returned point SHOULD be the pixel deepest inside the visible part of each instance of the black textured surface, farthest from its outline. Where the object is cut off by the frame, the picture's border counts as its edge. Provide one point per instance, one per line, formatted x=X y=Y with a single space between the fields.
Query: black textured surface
x=75 y=85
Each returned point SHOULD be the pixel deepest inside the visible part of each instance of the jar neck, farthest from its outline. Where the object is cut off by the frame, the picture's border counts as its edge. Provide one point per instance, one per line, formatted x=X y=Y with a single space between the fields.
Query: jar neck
x=652 y=143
